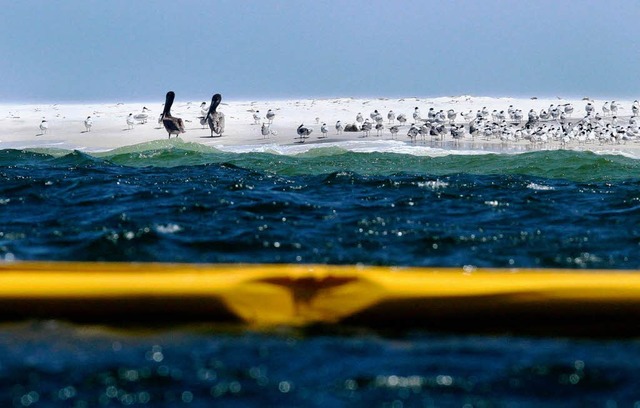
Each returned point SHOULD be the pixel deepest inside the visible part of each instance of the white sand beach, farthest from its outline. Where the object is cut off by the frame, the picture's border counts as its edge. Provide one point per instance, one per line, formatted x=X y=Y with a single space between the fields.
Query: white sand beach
x=608 y=130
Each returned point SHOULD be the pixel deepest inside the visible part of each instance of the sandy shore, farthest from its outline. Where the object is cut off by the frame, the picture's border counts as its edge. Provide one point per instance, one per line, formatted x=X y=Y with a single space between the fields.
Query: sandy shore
x=109 y=130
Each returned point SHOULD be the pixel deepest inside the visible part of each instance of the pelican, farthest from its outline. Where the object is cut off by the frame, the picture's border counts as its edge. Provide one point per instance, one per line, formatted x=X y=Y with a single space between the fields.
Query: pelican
x=215 y=119
x=44 y=126
x=130 y=121
x=339 y=128
x=270 y=115
x=173 y=125
x=303 y=132
x=88 y=123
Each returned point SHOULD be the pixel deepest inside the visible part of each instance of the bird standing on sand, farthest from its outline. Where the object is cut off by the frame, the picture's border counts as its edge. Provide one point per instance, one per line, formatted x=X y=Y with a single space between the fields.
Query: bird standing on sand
x=256 y=117
x=88 y=123
x=366 y=128
x=359 y=118
x=270 y=115
x=143 y=116
x=214 y=118
x=265 y=130
x=394 y=131
x=379 y=129
x=339 y=128
x=173 y=125
x=416 y=114
x=324 y=129
x=303 y=132
x=44 y=127
x=635 y=108
x=402 y=119
x=130 y=121
x=391 y=116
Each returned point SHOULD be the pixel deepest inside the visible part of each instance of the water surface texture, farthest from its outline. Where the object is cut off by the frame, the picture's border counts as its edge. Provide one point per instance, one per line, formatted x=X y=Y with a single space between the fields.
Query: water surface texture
x=188 y=203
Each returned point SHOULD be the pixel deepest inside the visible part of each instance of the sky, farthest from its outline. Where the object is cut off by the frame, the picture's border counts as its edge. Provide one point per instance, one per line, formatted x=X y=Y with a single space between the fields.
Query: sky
x=121 y=50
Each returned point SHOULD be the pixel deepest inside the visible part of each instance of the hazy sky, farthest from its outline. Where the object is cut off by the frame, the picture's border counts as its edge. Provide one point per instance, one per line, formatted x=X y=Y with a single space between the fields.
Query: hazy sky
x=123 y=50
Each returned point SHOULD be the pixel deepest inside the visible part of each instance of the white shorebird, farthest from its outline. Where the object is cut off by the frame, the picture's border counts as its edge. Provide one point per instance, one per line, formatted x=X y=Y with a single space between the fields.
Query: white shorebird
x=614 y=108
x=605 y=109
x=44 y=126
x=413 y=132
x=359 y=118
x=172 y=124
x=451 y=115
x=88 y=123
x=339 y=128
x=402 y=119
x=366 y=128
x=143 y=116
x=635 y=108
x=303 y=132
x=394 y=131
x=379 y=129
x=324 y=130
x=256 y=117
x=391 y=116
x=131 y=122
x=270 y=115
x=265 y=130
x=416 y=114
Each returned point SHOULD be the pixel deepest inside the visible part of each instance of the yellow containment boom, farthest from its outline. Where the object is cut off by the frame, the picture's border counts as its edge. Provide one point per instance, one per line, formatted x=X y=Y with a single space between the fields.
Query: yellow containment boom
x=586 y=302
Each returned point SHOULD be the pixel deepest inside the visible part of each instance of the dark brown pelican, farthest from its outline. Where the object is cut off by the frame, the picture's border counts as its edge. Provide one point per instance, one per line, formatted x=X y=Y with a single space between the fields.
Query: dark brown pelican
x=215 y=119
x=174 y=125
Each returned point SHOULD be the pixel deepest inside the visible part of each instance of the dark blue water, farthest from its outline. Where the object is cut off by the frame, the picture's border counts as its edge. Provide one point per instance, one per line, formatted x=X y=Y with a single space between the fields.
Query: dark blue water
x=186 y=204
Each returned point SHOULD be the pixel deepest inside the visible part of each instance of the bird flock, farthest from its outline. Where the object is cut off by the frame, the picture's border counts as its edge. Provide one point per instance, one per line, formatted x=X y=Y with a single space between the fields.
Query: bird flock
x=555 y=125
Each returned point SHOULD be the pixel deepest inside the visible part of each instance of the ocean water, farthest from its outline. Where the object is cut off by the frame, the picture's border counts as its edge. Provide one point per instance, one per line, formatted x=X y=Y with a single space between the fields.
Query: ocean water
x=181 y=202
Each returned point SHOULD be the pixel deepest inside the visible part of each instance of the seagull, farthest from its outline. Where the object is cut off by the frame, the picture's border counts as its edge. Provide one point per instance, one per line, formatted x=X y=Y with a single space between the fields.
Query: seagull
x=88 y=123
x=394 y=131
x=635 y=108
x=44 y=126
x=402 y=118
x=270 y=115
x=451 y=115
x=256 y=117
x=173 y=125
x=379 y=129
x=142 y=117
x=413 y=132
x=214 y=118
x=614 y=108
x=130 y=121
x=339 y=128
x=303 y=132
x=324 y=129
x=265 y=130
x=359 y=118
x=605 y=108
x=366 y=128
x=391 y=116
x=416 y=114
